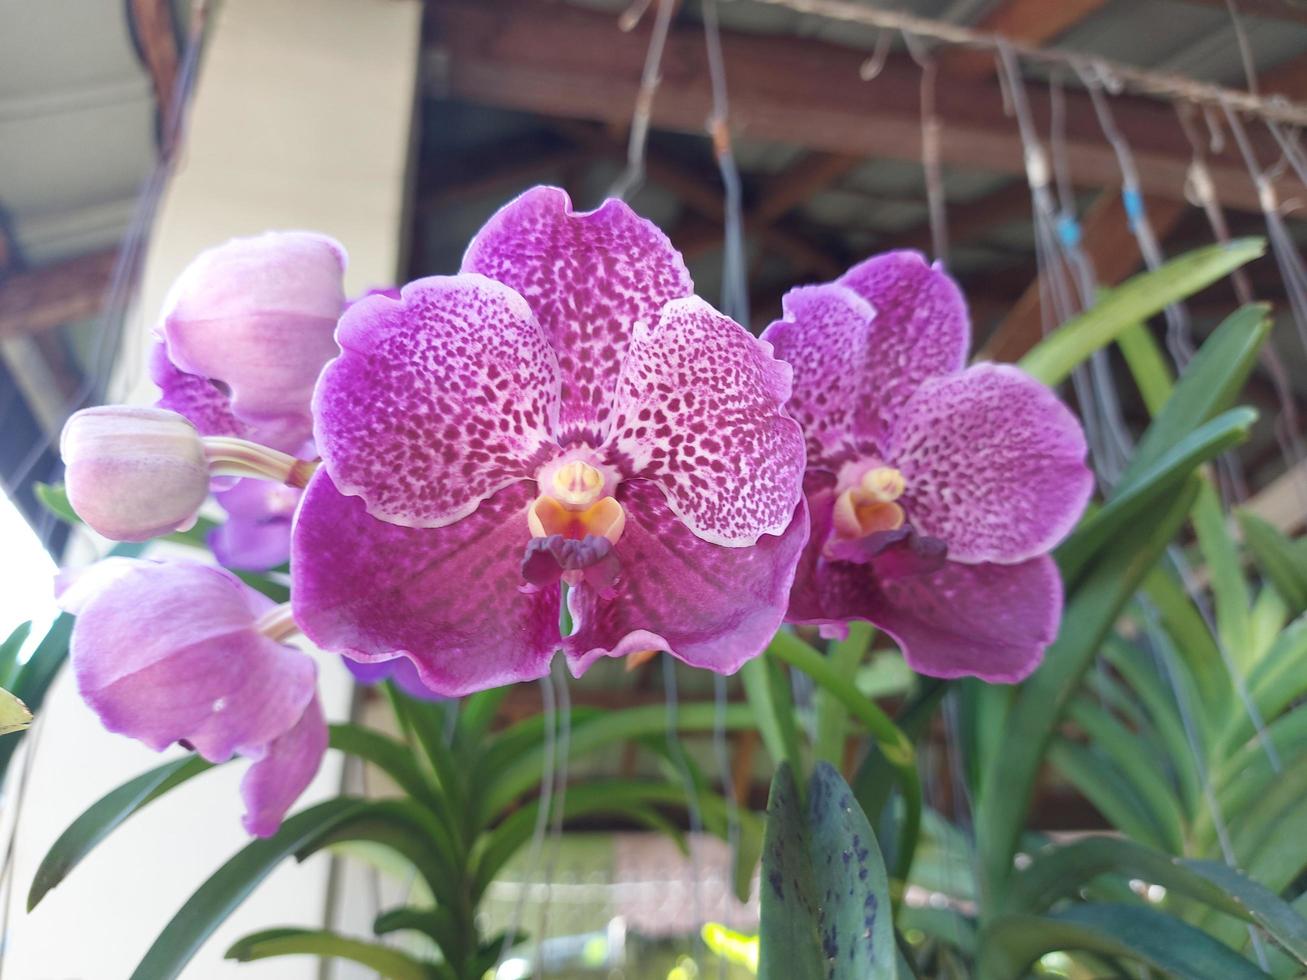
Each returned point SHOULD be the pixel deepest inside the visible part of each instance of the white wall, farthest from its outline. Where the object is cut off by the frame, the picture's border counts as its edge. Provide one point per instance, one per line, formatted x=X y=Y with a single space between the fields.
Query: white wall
x=301 y=119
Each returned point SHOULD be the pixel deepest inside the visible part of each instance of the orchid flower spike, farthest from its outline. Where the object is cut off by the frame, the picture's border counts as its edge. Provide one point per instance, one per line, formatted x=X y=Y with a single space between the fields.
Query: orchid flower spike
x=564 y=411
x=246 y=330
x=936 y=491
x=170 y=652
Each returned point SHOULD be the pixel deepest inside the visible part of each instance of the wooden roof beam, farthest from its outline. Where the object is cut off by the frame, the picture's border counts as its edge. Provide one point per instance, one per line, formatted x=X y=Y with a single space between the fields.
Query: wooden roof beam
x=41 y=299
x=564 y=61
x=1031 y=21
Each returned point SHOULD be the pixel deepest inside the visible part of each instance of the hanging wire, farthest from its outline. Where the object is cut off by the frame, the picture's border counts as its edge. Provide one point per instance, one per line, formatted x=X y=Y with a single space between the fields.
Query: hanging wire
x=633 y=176
x=721 y=750
x=549 y=716
x=1294 y=275
x=1245 y=49
x=681 y=763
x=931 y=131
x=1201 y=190
x=735 y=288
x=1164 y=86
x=558 y=799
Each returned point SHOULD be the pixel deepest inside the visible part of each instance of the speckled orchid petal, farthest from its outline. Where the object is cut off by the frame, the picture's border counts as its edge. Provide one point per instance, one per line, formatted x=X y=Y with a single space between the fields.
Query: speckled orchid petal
x=448 y=598
x=994 y=464
x=168 y=651
x=256 y=534
x=922 y=329
x=710 y=606
x=271 y=786
x=258 y=314
x=951 y=619
x=203 y=403
x=988 y=621
x=437 y=400
x=700 y=412
x=826 y=337
x=589 y=277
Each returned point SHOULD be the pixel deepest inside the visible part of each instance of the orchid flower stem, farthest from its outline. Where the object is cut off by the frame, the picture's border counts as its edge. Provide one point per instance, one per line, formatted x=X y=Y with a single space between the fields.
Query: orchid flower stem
x=896 y=746
x=229 y=456
x=278 y=623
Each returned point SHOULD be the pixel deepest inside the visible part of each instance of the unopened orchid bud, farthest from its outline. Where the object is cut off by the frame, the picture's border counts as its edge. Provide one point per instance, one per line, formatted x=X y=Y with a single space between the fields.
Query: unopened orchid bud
x=134 y=473
x=259 y=315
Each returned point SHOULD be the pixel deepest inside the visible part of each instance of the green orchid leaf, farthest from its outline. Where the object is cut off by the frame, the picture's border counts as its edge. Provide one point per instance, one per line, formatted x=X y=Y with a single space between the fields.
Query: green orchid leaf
x=231 y=884
x=1091 y=610
x=1139 y=298
x=105 y=816
x=388 y=962
x=54 y=498
x=1012 y=943
x=1283 y=562
x=825 y=895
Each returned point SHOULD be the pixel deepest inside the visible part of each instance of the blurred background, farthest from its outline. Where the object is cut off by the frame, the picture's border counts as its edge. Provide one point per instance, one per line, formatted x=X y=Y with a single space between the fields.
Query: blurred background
x=399 y=127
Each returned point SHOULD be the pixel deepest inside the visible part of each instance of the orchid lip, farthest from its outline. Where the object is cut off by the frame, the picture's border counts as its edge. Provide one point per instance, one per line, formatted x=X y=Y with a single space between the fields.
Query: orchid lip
x=868 y=506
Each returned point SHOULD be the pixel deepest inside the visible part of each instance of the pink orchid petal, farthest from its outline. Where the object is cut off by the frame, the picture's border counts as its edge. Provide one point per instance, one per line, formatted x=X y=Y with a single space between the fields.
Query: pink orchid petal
x=399 y=669
x=256 y=534
x=589 y=277
x=826 y=337
x=203 y=403
x=710 y=606
x=438 y=400
x=988 y=621
x=168 y=651
x=994 y=464
x=699 y=411
x=258 y=314
x=272 y=784
x=447 y=598
x=922 y=328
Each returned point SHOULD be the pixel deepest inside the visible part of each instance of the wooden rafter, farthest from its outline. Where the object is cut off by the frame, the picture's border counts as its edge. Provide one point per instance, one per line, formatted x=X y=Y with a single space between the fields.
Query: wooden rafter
x=41 y=299
x=155 y=31
x=563 y=61
x=1032 y=21
x=1108 y=241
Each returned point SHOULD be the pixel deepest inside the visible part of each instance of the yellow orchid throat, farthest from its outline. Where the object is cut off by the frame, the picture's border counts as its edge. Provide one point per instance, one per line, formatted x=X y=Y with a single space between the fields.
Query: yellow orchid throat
x=572 y=503
x=869 y=505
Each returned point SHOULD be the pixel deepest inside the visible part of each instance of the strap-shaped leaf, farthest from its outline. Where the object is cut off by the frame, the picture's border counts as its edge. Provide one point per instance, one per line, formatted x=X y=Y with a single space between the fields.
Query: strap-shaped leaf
x=825 y=896
x=1090 y=612
x=1013 y=942
x=231 y=884
x=1283 y=562
x=1139 y=298
x=290 y=941
x=104 y=816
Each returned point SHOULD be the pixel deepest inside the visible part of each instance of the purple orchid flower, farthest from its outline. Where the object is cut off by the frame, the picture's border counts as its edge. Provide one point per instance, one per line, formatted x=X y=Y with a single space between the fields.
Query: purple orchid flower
x=246 y=330
x=564 y=410
x=180 y=652
x=935 y=491
x=398 y=669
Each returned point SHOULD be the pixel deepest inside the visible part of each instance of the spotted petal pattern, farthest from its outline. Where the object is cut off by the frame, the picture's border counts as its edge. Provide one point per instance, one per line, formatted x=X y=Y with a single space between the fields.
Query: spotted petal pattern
x=199 y=400
x=589 y=277
x=922 y=329
x=826 y=337
x=447 y=598
x=710 y=606
x=699 y=411
x=438 y=400
x=994 y=464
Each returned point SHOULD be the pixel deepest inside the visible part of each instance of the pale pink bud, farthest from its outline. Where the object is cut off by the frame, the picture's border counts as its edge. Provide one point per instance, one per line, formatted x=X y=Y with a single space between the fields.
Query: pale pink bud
x=134 y=473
